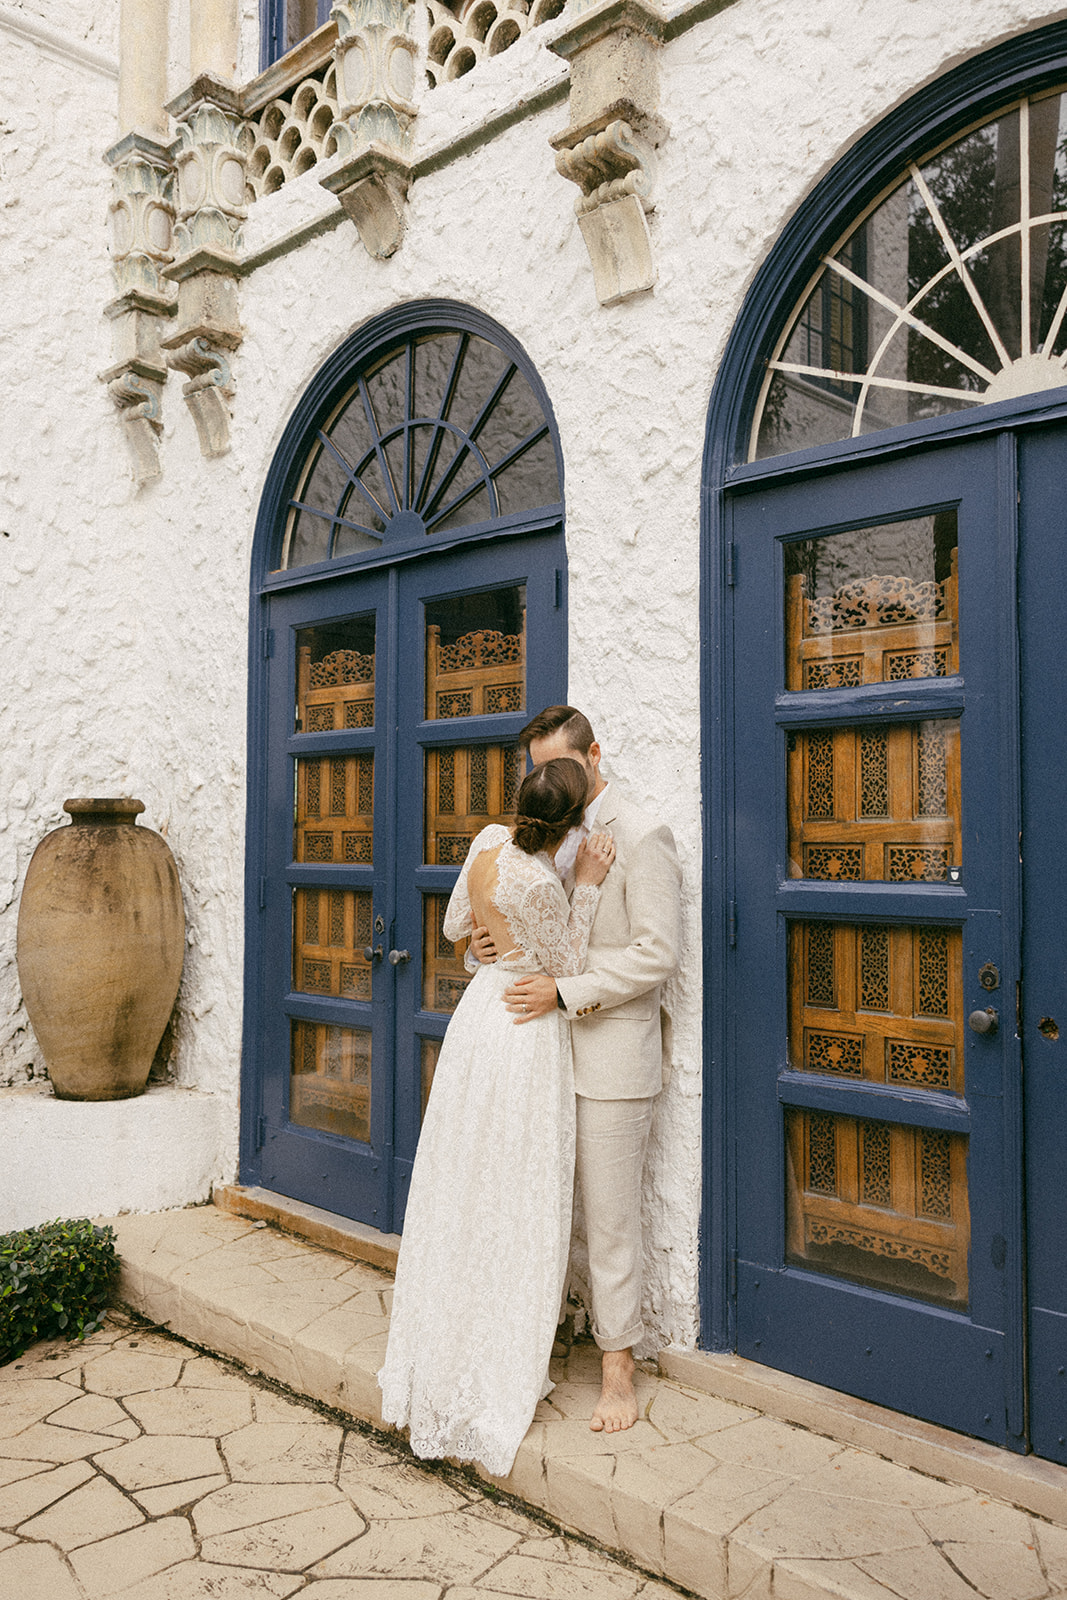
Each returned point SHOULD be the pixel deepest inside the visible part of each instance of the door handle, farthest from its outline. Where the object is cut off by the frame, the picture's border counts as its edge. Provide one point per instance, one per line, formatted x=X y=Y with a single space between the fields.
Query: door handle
x=397 y=956
x=372 y=952
x=983 y=1021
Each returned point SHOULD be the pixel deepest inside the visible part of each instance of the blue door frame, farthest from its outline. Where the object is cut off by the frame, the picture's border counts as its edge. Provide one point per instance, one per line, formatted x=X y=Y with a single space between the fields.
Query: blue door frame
x=367 y=1180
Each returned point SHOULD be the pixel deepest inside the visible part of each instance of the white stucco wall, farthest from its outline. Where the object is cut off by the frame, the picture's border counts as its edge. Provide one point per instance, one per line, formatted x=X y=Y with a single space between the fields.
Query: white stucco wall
x=124 y=632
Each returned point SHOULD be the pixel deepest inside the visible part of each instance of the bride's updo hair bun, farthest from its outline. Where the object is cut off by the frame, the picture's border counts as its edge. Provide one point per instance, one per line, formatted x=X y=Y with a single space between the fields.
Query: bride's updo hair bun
x=551 y=802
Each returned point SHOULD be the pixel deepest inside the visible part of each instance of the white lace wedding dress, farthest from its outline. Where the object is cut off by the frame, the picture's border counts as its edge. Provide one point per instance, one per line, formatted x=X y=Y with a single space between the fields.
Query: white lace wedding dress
x=487 y=1229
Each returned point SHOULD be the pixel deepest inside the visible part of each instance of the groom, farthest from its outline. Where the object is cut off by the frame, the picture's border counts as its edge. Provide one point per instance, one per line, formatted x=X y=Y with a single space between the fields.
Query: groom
x=614 y=1010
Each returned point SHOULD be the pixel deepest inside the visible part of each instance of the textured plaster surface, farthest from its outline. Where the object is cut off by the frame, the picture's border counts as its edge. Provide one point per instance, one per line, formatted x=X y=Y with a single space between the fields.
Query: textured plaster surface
x=702 y=1492
x=124 y=630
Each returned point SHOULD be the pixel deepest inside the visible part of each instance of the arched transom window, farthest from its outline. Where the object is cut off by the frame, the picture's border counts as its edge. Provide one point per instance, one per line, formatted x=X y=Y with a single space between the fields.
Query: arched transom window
x=438 y=432
x=950 y=292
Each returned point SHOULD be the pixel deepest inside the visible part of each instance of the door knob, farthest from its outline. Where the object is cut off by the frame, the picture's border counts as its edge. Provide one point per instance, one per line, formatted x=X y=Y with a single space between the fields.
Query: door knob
x=397 y=956
x=983 y=1021
x=372 y=952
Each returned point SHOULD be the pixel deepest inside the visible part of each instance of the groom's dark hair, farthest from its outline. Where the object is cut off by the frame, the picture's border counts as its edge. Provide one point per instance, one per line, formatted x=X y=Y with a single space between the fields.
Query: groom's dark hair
x=573 y=724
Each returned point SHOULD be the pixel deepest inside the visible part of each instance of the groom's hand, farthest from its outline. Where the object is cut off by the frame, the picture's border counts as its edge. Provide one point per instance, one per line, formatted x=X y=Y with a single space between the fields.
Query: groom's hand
x=531 y=997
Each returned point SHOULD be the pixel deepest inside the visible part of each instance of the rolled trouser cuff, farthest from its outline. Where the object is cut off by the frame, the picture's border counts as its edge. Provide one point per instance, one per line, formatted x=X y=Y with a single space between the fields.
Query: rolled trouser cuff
x=625 y=1341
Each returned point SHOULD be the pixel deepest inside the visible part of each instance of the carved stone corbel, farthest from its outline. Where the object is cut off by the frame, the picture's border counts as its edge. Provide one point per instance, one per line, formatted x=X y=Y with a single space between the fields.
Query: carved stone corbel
x=375 y=68
x=142 y=220
x=206 y=394
x=210 y=158
x=609 y=148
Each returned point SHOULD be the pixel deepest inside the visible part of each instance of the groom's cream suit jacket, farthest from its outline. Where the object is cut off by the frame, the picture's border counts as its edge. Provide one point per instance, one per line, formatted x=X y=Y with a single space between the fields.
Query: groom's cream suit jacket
x=614 y=1005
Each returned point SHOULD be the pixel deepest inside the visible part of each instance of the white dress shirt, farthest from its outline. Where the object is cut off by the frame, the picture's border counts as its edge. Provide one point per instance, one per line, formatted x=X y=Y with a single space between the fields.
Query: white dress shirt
x=568 y=850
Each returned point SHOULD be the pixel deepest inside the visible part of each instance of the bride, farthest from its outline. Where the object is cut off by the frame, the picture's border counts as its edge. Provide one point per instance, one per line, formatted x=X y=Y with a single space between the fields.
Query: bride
x=487 y=1231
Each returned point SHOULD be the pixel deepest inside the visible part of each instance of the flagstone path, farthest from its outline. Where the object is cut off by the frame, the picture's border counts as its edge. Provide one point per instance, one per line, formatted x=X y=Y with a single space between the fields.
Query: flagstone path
x=133 y=1466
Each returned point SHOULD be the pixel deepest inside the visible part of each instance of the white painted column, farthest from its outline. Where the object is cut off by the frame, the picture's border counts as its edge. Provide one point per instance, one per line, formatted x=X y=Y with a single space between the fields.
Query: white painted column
x=214 y=28
x=143 y=68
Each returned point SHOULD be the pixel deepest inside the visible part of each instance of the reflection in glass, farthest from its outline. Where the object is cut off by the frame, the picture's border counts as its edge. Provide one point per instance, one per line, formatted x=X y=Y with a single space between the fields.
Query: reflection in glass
x=331 y=930
x=476 y=654
x=335 y=676
x=924 y=309
x=330 y=1079
x=444 y=425
x=876 y=802
x=878 y=1204
x=444 y=976
x=873 y=605
x=878 y=1003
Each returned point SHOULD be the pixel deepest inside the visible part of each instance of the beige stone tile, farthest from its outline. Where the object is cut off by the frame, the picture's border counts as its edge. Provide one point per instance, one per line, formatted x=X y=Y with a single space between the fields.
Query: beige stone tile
x=363 y=1452
x=91 y=1413
x=204 y=1580
x=241 y=1505
x=313 y=1264
x=1052 y=1545
x=151 y=1462
x=508 y=1517
x=526 y=1480
x=447 y=1549
x=341 y=1328
x=573 y=1437
x=222 y=1273
x=282 y=1452
x=27 y=1400
x=360 y=1393
x=818 y=1580
x=921 y=1574
x=172 y=1496
x=372 y=1589
x=652 y=1590
x=112 y=1565
x=772 y=1445
x=361 y=1275
x=574 y=1400
x=556 y=1580
x=203 y=1372
x=43 y=1442
x=858 y=1475
x=24 y=1499
x=802 y=1524
x=584 y=1363
x=749 y=1573
x=271 y=1407
x=683 y=1414
x=578 y=1494
x=974 y=1518
x=12 y=1471
x=194 y=1413
x=287 y=1308
x=36 y=1572
x=123 y=1372
x=7 y=1540
x=287 y=1544
x=382 y=1487
x=91 y=1512
x=643 y=1485
x=151 y=1340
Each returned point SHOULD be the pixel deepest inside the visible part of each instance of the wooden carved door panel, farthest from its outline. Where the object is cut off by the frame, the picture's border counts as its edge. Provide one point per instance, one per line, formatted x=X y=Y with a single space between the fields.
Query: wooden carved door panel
x=872 y=847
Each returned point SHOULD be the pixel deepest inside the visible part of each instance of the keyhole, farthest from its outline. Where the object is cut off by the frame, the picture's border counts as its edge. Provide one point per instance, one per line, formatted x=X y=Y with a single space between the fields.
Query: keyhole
x=1049 y=1028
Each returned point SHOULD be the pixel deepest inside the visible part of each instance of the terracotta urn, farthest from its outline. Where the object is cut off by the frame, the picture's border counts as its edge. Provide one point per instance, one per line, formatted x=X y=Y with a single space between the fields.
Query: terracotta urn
x=101 y=937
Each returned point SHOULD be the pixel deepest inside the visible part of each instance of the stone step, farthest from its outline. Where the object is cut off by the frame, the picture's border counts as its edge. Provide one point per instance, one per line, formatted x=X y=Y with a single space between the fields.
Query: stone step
x=706 y=1491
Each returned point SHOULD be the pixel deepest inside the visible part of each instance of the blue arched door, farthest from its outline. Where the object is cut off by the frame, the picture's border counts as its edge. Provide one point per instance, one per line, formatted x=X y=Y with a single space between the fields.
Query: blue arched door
x=886 y=457
x=409 y=622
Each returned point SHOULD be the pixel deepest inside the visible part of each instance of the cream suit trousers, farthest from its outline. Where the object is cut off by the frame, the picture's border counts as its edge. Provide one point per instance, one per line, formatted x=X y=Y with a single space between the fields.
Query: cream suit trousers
x=612 y=1136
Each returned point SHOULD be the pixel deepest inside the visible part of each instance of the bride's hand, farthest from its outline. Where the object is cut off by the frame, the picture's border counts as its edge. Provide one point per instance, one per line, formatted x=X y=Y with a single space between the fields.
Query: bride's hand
x=594 y=858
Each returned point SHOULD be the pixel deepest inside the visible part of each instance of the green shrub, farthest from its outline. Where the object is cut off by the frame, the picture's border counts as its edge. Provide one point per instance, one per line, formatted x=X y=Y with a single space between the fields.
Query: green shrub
x=54 y=1280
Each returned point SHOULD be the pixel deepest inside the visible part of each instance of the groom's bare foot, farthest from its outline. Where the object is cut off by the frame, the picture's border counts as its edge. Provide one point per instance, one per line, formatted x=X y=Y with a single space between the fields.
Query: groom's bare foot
x=617 y=1406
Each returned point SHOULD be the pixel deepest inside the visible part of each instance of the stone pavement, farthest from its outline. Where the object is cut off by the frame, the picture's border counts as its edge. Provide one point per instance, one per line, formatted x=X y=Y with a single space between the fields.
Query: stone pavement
x=134 y=1466
x=709 y=1493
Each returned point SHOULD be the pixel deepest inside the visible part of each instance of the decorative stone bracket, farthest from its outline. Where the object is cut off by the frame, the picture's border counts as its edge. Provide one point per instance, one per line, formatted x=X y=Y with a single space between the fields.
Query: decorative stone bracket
x=142 y=218
x=609 y=148
x=209 y=154
x=375 y=69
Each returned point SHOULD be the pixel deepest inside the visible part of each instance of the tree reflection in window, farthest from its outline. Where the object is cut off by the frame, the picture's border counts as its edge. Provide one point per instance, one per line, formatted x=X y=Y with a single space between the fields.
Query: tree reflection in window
x=951 y=293
x=442 y=431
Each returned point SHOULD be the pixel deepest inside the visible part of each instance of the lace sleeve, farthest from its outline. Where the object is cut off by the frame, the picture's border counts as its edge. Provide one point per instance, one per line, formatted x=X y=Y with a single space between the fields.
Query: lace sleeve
x=557 y=934
x=459 y=920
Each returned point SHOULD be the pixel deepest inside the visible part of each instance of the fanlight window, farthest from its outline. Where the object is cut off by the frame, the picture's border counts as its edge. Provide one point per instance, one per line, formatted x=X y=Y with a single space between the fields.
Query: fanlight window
x=440 y=432
x=951 y=292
